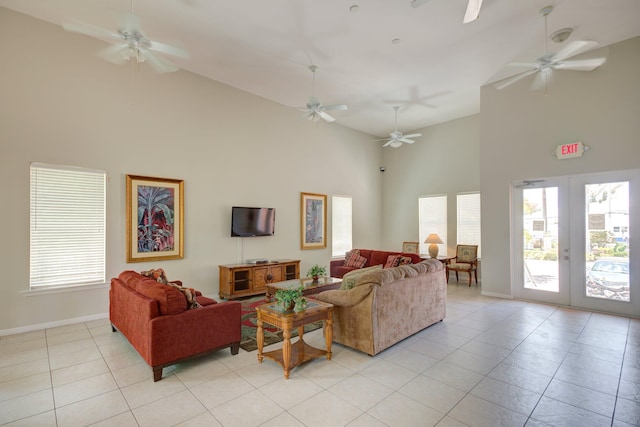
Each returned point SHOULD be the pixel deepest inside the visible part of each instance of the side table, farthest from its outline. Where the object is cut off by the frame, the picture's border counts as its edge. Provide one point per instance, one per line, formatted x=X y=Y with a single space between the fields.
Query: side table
x=292 y=355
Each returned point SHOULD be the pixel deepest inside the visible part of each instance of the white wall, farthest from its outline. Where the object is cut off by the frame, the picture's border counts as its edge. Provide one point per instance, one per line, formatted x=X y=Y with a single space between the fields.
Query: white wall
x=61 y=104
x=444 y=160
x=520 y=130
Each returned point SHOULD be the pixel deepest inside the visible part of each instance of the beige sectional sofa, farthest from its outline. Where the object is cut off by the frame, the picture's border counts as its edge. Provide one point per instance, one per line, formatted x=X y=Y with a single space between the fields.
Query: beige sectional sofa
x=386 y=306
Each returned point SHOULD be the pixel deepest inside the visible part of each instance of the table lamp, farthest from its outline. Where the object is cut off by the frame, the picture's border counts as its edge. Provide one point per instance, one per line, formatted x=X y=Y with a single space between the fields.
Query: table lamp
x=434 y=239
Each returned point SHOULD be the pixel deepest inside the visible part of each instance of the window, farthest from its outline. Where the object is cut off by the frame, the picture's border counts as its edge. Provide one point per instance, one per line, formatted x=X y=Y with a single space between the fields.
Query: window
x=341 y=231
x=67 y=226
x=432 y=218
x=469 y=219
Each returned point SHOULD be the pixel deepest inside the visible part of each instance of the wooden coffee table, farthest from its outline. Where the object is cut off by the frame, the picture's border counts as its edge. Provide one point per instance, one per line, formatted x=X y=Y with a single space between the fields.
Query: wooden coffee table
x=310 y=288
x=292 y=355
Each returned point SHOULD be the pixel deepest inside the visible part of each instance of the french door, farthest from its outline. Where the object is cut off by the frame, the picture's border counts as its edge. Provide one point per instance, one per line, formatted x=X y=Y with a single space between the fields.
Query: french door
x=572 y=241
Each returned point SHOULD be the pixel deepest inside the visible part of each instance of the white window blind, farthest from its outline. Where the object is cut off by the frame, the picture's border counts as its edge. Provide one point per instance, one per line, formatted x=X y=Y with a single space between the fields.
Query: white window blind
x=67 y=226
x=342 y=228
x=469 y=219
x=432 y=217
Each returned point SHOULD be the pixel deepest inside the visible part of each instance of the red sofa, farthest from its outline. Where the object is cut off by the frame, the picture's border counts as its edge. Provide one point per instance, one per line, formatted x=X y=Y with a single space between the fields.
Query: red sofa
x=155 y=319
x=374 y=257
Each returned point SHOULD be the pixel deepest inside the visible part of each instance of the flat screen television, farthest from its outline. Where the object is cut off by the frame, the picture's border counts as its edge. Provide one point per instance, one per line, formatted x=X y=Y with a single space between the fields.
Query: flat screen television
x=252 y=222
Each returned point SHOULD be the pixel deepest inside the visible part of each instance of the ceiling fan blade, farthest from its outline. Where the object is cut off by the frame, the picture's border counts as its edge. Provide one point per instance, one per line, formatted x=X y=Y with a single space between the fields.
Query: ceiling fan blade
x=418 y=3
x=336 y=107
x=580 y=64
x=326 y=117
x=92 y=30
x=542 y=80
x=523 y=64
x=388 y=143
x=114 y=54
x=169 y=50
x=574 y=48
x=512 y=80
x=473 y=11
x=407 y=141
x=158 y=63
x=413 y=135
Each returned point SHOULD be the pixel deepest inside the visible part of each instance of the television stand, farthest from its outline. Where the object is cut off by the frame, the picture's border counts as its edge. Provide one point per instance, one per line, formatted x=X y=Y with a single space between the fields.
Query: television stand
x=242 y=280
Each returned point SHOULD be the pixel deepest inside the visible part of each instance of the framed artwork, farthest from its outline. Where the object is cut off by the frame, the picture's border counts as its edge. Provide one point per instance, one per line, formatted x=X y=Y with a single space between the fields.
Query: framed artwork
x=313 y=221
x=155 y=219
x=410 y=247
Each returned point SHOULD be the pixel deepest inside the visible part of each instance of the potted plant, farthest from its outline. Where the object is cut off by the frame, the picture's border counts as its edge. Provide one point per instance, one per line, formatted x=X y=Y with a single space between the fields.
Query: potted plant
x=316 y=271
x=289 y=299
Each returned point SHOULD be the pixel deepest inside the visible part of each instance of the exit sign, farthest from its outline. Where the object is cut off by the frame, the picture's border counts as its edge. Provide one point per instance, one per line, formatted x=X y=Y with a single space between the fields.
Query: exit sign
x=571 y=150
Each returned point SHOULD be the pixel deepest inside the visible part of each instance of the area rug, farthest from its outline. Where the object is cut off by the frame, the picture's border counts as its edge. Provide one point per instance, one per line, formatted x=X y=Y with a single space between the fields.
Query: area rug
x=271 y=333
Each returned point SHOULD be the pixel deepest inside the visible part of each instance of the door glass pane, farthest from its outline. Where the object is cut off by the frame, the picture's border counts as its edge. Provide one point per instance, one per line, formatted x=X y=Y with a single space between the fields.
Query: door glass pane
x=607 y=241
x=540 y=238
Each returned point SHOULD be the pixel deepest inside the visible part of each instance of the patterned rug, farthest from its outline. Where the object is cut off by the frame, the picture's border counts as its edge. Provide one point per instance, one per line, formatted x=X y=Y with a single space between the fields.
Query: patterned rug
x=271 y=333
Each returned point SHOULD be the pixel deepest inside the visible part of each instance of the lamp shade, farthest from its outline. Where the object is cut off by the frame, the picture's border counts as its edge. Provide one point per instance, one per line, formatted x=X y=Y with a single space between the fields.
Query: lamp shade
x=434 y=239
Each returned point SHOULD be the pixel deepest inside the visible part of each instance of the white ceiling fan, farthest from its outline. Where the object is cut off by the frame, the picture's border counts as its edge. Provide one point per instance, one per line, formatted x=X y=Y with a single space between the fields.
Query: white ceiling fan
x=130 y=42
x=559 y=61
x=472 y=13
x=396 y=138
x=314 y=110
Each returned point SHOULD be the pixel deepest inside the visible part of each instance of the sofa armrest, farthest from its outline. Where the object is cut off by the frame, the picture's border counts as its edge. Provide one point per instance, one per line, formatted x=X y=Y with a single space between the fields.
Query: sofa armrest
x=345 y=298
x=194 y=331
x=333 y=265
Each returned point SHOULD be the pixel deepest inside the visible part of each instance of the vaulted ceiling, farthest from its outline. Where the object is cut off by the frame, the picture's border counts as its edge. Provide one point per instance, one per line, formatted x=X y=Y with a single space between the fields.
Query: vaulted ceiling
x=371 y=54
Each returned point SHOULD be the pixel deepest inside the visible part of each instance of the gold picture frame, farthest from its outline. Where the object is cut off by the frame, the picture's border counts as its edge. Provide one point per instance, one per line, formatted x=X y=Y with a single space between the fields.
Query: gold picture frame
x=155 y=219
x=410 y=247
x=313 y=221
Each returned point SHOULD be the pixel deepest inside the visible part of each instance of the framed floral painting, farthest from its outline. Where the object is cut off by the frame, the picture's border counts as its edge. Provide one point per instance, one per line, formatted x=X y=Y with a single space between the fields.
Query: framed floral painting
x=155 y=219
x=313 y=221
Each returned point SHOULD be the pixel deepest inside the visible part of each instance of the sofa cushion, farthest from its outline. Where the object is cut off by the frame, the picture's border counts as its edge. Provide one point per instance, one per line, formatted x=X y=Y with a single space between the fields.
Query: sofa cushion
x=396 y=260
x=351 y=279
x=189 y=293
x=204 y=301
x=170 y=300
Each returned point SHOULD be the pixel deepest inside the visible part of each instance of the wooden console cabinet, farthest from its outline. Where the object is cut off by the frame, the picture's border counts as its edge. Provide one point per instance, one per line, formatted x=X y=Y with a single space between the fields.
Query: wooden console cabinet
x=241 y=280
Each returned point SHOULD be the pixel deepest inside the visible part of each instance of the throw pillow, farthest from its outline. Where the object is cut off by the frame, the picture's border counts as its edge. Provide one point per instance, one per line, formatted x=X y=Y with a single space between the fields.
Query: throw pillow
x=358 y=261
x=350 y=279
x=189 y=293
x=396 y=260
x=350 y=257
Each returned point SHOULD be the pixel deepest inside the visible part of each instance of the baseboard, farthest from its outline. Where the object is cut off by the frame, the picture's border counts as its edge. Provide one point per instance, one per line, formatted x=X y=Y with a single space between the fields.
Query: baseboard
x=493 y=294
x=40 y=326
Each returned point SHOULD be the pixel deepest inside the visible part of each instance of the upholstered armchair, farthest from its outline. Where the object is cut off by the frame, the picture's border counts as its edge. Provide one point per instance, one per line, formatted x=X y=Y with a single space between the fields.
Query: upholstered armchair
x=466 y=260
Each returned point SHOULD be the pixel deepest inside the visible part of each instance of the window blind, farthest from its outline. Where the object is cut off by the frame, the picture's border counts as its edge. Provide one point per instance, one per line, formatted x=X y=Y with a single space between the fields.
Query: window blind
x=67 y=238
x=469 y=219
x=342 y=228
x=432 y=218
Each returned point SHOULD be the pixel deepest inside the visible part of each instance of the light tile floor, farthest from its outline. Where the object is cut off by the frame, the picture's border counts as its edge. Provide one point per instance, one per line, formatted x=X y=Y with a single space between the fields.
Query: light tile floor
x=491 y=362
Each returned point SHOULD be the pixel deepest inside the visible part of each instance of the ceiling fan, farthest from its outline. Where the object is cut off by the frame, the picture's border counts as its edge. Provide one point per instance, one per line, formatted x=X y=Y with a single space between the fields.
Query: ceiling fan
x=314 y=110
x=559 y=61
x=472 y=13
x=130 y=42
x=396 y=138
